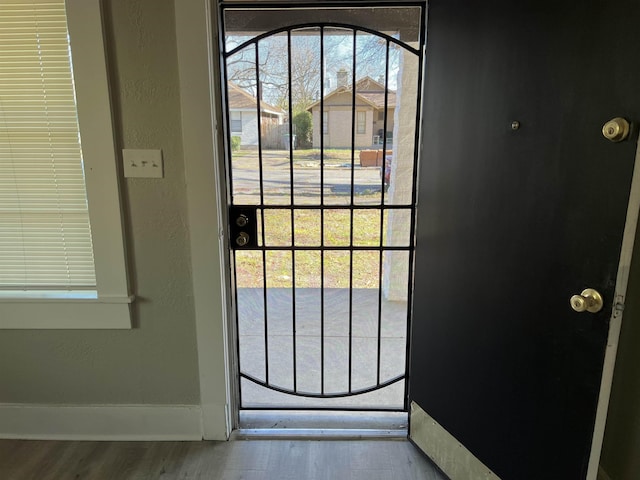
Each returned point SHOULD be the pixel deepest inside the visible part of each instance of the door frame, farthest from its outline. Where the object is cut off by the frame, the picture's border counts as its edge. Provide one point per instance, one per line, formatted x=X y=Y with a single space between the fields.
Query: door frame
x=196 y=37
x=615 y=325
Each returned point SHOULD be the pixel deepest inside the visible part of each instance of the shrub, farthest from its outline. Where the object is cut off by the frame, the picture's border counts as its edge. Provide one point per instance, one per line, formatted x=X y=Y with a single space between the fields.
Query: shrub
x=235 y=144
x=304 y=128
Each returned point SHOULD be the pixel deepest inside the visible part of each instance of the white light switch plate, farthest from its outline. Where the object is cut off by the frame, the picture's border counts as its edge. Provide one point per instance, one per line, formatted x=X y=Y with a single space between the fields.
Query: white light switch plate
x=142 y=163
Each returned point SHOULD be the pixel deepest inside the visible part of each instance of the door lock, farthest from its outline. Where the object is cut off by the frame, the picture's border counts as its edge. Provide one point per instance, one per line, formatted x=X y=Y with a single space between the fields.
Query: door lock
x=616 y=129
x=242 y=239
x=589 y=300
x=243 y=228
x=242 y=220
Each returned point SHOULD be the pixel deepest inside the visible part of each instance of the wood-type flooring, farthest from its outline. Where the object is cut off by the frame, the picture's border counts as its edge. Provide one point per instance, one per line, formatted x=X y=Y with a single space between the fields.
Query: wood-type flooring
x=233 y=460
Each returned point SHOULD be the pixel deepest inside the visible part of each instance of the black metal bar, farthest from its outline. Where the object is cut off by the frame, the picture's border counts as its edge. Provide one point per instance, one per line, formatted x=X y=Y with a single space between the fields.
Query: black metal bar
x=321 y=129
x=382 y=211
x=302 y=26
x=336 y=248
x=293 y=229
x=327 y=409
x=414 y=198
x=227 y=124
x=235 y=304
x=353 y=124
x=417 y=134
x=353 y=161
x=321 y=120
x=350 y=393
x=259 y=126
x=229 y=4
x=264 y=253
x=384 y=125
x=329 y=207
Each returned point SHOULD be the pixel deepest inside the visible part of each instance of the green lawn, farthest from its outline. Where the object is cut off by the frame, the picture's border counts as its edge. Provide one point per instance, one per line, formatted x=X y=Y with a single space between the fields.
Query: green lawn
x=332 y=156
x=337 y=232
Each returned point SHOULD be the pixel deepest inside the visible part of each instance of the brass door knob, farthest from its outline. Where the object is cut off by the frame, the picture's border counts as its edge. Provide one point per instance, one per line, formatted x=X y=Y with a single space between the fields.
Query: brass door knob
x=616 y=129
x=588 y=301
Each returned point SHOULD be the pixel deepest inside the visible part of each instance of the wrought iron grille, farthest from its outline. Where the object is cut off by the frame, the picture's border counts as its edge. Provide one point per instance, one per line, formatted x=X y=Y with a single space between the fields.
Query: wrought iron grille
x=252 y=218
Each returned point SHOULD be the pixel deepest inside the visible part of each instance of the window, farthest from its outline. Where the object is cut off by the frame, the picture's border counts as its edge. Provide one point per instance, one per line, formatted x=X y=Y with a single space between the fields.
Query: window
x=62 y=261
x=361 y=122
x=325 y=123
x=236 y=122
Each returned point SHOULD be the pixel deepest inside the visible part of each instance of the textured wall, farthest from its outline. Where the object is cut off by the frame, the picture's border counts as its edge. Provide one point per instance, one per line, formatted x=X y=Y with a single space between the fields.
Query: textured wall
x=156 y=363
x=620 y=457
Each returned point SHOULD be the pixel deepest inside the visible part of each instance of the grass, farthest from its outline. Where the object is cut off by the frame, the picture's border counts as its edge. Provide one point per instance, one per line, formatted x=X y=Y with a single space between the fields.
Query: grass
x=332 y=156
x=339 y=268
x=337 y=264
x=342 y=154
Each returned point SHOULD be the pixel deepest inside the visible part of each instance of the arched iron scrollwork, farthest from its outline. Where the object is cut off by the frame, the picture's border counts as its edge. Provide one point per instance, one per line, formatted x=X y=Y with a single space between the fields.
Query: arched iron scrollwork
x=322 y=25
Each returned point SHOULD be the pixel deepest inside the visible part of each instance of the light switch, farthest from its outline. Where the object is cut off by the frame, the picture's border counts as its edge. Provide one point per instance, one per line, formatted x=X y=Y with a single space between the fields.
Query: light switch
x=142 y=163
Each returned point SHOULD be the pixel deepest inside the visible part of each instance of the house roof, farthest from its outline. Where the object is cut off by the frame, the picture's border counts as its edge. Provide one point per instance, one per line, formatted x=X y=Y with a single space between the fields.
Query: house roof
x=367 y=90
x=241 y=99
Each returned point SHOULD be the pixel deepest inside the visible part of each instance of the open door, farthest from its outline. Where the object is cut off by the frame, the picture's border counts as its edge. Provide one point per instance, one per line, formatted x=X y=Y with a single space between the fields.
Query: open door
x=522 y=205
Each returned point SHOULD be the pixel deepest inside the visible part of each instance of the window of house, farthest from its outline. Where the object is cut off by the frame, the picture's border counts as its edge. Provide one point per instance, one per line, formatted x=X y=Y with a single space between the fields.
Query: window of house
x=361 y=122
x=236 y=122
x=325 y=123
x=62 y=261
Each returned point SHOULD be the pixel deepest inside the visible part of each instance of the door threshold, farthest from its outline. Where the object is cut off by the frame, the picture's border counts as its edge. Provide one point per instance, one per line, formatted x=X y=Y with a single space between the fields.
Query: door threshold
x=324 y=425
x=317 y=434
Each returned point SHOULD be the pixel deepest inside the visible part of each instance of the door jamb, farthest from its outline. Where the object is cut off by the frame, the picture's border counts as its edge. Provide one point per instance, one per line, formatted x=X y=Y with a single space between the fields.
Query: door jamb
x=615 y=324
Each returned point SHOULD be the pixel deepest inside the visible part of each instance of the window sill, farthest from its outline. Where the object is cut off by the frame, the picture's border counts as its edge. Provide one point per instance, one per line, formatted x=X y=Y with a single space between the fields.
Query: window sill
x=64 y=310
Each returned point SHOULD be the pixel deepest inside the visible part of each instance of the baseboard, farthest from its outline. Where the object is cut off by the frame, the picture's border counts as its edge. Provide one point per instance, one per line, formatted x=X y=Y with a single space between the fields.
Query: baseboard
x=602 y=474
x=101 y=422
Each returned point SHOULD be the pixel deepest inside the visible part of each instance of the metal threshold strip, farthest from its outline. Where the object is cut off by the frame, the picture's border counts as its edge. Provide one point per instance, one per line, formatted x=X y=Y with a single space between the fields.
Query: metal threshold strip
x=318 y=434
x=320 y=425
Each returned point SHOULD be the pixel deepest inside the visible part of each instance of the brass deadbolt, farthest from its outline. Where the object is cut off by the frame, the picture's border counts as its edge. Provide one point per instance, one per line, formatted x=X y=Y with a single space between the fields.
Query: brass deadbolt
x=588 y=301
x=616 y=129
x=242 y=220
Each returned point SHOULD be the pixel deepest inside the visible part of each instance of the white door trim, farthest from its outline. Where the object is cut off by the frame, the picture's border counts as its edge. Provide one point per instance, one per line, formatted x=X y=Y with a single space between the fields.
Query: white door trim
x=196 y=37
x=615 y=324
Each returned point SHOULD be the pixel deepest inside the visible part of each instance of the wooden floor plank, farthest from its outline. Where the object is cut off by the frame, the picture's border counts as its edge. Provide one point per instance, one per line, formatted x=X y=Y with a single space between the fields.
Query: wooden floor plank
x=235 y=460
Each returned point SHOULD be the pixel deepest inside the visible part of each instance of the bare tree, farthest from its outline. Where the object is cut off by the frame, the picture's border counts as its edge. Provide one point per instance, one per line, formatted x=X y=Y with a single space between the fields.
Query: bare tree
x=306 y=65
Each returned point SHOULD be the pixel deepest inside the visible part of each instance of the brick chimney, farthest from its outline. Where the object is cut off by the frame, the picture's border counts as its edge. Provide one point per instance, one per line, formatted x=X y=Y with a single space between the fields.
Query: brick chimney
x=343 y=77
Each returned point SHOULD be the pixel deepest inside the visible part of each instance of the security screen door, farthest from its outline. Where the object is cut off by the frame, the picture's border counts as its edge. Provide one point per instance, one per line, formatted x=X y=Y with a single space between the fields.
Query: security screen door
x=321 y=115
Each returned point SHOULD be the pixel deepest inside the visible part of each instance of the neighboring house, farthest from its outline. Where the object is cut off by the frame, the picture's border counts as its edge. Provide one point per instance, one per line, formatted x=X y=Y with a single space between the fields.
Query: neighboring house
x=337 y=119
x=243 y=114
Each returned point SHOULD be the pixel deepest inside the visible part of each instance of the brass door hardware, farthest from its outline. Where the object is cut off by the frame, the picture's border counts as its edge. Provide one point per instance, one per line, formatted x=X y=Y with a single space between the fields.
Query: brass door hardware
x=616 y=129
x=242 y=220
x=588 y=301
x=243 y=231
x=242 y=239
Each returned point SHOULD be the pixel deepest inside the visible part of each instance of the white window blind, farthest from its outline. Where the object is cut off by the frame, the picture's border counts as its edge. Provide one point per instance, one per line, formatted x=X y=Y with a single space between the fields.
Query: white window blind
x=45 y=235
